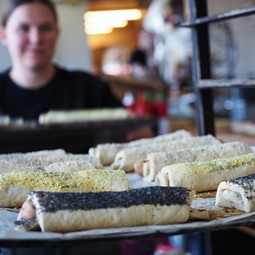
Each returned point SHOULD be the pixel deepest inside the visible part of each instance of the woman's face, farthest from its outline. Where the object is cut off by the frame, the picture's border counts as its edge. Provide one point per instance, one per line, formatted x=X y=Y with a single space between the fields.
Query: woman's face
x=31 y=34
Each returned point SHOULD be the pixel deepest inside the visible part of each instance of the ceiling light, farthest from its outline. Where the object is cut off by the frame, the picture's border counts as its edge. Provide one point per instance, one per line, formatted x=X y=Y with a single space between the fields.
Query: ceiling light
x=98 y=16
x=96 y=21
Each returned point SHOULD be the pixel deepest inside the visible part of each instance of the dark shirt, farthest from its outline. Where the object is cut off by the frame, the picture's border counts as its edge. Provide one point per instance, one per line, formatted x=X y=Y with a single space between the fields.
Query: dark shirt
x=67 y=90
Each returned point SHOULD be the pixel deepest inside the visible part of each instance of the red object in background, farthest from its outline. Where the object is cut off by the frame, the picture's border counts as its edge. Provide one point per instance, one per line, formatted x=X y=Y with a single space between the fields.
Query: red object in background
x=164 y=248
x=144 y=105
x=160 y=105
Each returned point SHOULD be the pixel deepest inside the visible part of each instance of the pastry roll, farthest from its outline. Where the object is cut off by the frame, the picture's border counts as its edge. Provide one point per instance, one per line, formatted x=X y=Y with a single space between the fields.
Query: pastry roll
x=65 y=212
x=41 y=161
x=125 y=159
x=14 y=187
x=79 y=157
x=237 y=193
x=106 y=152
x=29 y=161
x=70 y=166
x=39 y=155
x=205 y=176
x=19 y=165
x=156 y=161
x=81 y=115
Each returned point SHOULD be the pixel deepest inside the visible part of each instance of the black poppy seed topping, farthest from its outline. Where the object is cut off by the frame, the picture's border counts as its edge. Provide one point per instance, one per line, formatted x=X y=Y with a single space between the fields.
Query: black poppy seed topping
x=54 y=201
x=247 y=183
x=243 y=180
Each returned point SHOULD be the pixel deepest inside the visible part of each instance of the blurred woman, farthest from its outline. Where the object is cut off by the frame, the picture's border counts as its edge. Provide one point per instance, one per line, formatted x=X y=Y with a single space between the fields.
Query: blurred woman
x=34 y=84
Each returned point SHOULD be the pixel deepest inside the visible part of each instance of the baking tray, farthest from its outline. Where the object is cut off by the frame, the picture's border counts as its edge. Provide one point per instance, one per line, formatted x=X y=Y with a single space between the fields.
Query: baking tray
x=75 y=137
x=10 y=237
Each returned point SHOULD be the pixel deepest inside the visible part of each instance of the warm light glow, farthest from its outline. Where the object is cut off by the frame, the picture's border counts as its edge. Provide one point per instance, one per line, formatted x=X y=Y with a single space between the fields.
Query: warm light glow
x=129 y=14
x=109 y=23
x=96 y=21
x=104 y=28
x=99 y=30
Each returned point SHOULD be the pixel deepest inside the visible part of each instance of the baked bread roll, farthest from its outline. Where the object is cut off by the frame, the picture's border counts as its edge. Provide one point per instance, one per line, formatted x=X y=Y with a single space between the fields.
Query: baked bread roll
x=237 y=193
x=65 y=212
x=39 y=155
x=69 y=166
x=20 y=165
x=14 y=187
x=156 y=161
x=106 y=152
x=81 y=115
x=77 y=157
x=40 y=160
x=29 y=161
x=125 y=159
x=207 y=175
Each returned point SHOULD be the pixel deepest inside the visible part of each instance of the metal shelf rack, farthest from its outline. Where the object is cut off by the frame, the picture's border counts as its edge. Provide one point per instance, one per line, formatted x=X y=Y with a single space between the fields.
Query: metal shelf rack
x=203 y=84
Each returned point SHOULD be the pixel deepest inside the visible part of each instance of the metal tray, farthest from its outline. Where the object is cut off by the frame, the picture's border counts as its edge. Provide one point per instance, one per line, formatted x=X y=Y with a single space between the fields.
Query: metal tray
x=10 y=237
x=73 y=137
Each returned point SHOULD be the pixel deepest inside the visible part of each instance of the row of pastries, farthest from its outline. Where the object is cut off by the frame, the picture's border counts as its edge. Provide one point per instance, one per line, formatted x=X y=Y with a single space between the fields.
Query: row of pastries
x=51 y=185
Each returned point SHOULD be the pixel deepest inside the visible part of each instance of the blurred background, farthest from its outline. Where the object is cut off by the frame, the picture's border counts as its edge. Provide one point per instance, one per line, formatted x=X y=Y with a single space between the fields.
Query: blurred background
x=137 y=46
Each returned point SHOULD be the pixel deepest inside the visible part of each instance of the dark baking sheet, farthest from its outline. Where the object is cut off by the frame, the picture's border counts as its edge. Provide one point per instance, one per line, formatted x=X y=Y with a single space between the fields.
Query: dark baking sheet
x=73 y=137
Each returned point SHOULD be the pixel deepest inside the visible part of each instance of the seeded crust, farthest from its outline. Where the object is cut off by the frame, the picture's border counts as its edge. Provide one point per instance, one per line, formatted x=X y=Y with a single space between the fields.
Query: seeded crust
x=65 y=212
x=125 y=159
x=206 y=176
x=156 y=161
x=40 y=160
x=238 y=193
x=14 y=187
x=106 y=152
x=70 y=166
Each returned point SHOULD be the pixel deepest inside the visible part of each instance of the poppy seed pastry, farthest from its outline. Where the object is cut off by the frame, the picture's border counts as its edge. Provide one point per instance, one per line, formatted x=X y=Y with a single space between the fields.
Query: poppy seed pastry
x=238 y=193
x=65 y=212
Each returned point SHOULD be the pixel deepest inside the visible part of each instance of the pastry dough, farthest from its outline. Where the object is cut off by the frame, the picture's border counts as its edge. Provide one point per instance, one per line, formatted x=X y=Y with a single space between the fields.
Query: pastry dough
x=81 y=115
x=156 y=161
x=206 y=176
x=20 y=165
x=237 y=193
x=40 y=160
x=14 y=187
x=125 y=159
x=70 y=166
x=65 y=212
x=106 y=152
x=39 y=155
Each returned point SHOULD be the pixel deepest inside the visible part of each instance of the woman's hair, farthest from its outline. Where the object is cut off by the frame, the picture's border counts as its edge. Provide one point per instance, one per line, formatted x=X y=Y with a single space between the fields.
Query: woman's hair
x=10 y=5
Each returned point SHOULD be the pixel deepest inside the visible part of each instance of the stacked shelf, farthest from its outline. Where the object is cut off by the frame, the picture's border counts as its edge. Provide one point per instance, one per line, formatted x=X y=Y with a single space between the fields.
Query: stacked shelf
x=203 y=83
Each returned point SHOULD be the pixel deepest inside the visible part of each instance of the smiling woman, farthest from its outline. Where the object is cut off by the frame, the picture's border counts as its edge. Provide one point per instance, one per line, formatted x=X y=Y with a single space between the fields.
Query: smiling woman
x=30 y=32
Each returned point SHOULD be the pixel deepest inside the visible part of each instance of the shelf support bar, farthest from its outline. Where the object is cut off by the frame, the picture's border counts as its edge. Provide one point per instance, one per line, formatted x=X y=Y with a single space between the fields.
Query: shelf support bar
x=202 y=70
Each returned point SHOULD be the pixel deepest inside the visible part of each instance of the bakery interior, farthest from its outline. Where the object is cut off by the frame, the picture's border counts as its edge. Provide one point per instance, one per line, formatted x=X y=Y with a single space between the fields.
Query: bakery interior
x=230 y=58
x=109 y=55
x=168 y=73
